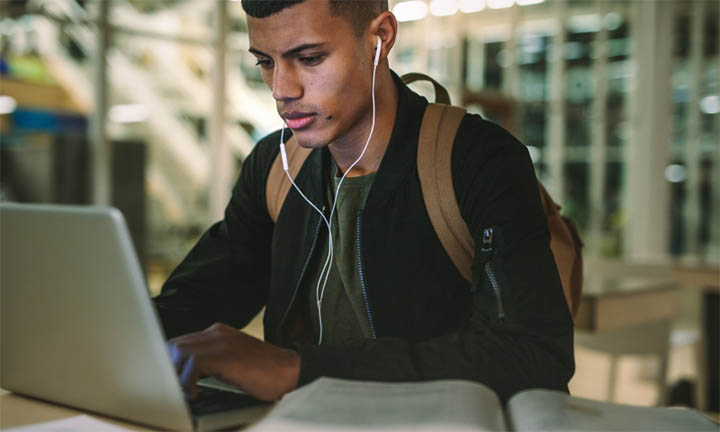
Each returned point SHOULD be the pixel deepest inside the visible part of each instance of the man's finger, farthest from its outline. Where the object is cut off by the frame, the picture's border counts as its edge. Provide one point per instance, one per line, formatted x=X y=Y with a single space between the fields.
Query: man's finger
x=201 y=336
x=183 y=346
x=176 y=356
x=189 y=376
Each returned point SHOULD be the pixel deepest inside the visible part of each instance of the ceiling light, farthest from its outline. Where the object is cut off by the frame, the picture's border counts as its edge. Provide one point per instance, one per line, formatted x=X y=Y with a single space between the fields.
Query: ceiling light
x=675 y=173
x=589 y=23
x=7 y=104
x=443 y=7
x=133 y=113
x=613 y=21
x=410 y=10
x=500 y=4
x=470 y=6
x=710 y=104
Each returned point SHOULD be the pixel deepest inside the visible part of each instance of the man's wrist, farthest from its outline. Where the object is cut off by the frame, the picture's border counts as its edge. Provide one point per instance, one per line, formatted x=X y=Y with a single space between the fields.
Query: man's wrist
x=292 y=369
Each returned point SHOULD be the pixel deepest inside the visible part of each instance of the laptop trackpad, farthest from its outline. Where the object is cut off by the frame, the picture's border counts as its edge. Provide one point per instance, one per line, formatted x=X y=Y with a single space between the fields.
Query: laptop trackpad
x=216 y=396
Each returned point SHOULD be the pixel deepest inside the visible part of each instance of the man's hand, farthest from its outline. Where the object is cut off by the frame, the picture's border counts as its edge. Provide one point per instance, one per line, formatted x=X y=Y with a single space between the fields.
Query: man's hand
x=261 y=369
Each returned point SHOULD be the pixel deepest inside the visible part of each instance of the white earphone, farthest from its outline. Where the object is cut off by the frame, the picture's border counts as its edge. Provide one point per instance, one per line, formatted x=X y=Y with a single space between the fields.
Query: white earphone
x=377 y=51
x=325 y=273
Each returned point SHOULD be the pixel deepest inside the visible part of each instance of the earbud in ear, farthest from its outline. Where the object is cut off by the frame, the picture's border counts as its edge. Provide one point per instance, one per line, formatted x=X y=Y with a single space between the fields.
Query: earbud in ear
x=377 y=50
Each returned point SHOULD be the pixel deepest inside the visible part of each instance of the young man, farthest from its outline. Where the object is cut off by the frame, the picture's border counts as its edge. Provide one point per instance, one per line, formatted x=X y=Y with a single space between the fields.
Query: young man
x=395 y=307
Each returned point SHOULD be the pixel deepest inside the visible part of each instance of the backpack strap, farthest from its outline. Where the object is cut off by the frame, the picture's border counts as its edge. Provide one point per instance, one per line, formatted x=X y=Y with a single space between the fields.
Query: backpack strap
x=278 y=185
x=441 y=95
x=566 y=246
x=437 y=135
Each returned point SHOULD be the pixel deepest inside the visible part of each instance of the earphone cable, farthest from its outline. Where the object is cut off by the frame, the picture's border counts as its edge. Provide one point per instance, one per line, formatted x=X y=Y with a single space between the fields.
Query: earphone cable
x=325 y=272
x=282 y=133
x=320 y=293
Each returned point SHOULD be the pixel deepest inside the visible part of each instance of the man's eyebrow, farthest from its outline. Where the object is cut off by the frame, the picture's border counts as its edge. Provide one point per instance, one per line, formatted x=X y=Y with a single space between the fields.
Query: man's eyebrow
x=292 y=51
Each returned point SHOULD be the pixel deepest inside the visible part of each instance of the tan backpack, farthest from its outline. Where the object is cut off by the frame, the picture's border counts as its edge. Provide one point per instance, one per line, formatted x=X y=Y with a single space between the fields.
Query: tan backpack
x=437 y=135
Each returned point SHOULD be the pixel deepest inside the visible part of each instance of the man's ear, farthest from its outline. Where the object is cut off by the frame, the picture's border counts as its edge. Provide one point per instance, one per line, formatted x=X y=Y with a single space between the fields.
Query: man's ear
x=385 y=26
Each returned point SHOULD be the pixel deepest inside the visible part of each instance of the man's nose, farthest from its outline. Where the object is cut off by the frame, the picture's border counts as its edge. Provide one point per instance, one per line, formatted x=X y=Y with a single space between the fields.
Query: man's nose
x=285 y=85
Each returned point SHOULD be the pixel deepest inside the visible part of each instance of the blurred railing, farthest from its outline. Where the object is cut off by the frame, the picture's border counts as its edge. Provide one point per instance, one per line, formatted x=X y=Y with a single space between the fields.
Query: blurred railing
x=173 y=87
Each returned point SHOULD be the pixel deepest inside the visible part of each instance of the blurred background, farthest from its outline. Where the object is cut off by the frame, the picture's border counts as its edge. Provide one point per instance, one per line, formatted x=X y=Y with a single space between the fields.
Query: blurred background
x=152 y=105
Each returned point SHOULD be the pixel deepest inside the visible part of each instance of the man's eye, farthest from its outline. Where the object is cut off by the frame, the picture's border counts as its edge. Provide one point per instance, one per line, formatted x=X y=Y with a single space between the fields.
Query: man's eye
x=311 y=60
x=264 y=63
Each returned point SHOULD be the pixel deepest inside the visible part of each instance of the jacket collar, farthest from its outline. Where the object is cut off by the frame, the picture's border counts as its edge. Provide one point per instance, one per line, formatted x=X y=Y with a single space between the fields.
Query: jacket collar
x=400 y=159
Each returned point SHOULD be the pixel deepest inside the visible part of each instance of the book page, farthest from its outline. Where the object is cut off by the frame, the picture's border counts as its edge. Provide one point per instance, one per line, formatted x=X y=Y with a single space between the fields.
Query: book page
x=333 y=404
x=80 y=423
x=535 y=410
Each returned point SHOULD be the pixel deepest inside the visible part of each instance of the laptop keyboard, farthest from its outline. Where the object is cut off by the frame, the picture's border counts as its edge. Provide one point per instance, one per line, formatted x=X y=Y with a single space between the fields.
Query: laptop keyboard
x=210 y=401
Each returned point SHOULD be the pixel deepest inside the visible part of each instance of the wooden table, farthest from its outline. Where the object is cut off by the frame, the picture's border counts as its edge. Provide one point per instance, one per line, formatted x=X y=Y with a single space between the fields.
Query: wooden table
x=706 y=278
x=703 y=276
x=17 y=411
x=609 y=303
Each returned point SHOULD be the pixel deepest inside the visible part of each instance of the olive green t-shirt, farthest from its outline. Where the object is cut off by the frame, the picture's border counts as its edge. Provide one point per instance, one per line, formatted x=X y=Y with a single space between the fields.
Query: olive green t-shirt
x=344 y=315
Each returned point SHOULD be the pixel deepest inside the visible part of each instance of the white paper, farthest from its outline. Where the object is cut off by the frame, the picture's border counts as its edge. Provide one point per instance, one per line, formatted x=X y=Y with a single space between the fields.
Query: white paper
x=81 y=423
x=332 y=404
x=535 y=410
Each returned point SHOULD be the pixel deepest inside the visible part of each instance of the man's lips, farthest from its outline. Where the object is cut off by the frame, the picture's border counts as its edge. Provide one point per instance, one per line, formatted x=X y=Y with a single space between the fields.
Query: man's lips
x=298 y=120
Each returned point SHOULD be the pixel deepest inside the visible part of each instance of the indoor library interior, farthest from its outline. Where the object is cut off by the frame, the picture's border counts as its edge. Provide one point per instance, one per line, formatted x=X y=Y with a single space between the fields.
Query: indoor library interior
x=134 y=137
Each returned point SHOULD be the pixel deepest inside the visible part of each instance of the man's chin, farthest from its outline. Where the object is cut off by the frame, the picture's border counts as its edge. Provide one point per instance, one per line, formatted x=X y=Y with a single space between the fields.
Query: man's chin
x=310 y=142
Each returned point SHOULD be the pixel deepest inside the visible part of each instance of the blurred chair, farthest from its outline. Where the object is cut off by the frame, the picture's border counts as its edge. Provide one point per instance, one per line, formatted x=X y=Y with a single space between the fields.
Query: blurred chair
x=650 y=339
x=624 y=314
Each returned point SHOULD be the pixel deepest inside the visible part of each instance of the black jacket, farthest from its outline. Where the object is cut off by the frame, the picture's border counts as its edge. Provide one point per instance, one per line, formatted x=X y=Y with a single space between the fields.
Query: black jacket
x=428 y=322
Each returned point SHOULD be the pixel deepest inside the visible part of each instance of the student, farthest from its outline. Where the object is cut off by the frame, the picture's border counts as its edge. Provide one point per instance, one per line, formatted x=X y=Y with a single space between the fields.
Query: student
x=394 y=308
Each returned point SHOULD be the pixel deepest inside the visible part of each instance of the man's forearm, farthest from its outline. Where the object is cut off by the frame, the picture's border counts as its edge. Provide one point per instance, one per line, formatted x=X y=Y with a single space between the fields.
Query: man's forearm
x=504 y=362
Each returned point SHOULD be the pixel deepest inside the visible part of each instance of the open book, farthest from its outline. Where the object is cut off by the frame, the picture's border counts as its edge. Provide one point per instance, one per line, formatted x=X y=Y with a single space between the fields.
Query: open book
x=453 y=405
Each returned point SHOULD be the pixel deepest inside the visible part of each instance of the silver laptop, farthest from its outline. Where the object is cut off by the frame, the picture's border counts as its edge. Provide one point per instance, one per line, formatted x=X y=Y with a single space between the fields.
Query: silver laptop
x=78 y=326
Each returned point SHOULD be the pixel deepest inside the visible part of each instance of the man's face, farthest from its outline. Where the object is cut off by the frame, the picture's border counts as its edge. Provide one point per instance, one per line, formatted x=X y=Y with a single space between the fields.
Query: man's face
x=318 y=72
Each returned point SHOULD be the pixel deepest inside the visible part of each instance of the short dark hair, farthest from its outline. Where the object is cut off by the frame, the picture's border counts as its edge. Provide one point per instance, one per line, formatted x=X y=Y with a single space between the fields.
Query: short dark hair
x=358 y=13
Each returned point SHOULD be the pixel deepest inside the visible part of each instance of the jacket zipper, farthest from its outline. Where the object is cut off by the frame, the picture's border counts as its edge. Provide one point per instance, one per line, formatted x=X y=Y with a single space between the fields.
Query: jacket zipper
x=487 y=246
x=302 y=274
x=358 y=224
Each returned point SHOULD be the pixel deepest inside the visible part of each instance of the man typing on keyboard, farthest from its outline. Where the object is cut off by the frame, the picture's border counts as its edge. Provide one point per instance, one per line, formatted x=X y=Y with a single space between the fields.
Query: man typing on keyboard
x=352 y=276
